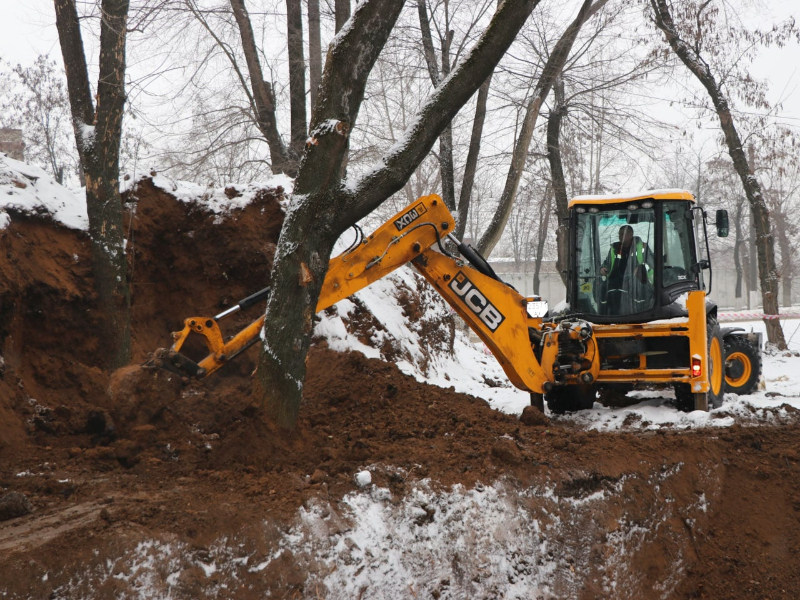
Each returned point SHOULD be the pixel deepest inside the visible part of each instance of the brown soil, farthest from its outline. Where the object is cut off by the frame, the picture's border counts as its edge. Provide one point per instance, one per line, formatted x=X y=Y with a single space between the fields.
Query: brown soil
x=191 y=466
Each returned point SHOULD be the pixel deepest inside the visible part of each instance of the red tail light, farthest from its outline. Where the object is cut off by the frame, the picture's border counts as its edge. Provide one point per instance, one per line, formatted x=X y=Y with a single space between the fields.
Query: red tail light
x=697 y=366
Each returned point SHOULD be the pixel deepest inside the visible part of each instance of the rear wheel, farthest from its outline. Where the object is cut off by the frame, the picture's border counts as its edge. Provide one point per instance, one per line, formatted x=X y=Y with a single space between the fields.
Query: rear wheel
x=742 y=365
x=685 y=399
x=570 y=398
x=716 y=366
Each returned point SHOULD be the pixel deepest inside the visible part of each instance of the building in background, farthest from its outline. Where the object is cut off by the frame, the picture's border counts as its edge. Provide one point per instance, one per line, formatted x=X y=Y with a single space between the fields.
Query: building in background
x=11 y=143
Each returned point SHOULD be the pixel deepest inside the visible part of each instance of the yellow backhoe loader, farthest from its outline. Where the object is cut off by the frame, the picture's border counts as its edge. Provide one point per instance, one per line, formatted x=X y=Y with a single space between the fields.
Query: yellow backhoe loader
x=636 y=311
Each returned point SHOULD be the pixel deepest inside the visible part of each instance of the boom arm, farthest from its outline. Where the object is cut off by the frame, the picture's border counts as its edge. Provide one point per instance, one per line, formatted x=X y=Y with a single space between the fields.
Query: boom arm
x=495 y=311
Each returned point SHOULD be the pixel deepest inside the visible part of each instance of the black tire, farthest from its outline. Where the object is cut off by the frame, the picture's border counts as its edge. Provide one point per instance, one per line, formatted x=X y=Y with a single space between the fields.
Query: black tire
x=685 y=399
x=570 y=398
x=742 y=365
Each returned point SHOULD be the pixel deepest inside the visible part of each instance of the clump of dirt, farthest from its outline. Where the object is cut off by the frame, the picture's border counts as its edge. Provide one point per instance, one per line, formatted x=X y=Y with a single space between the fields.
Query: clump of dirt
x=192 y=465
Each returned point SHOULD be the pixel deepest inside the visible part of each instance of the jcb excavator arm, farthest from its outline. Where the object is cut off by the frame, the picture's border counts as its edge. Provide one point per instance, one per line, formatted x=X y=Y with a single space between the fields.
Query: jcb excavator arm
x=495 y=311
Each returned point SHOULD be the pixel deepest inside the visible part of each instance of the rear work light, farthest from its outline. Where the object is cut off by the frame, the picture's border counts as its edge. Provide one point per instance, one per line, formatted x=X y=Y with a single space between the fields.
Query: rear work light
x=697 y=365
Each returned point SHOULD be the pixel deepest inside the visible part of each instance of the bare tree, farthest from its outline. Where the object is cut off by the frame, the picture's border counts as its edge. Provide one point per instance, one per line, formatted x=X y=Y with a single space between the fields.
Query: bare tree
x=98 y=131
x=341 y=9
x=446 y=138
x=314 y=50
x=471 y=165
x=259 y=92
x=778 y=168
x=559 y=184
x=297 y=76
x=700 y=19
x=323 y=208
x=38 y=103
x=438 y=69
x=545 y=208
x=555 y=63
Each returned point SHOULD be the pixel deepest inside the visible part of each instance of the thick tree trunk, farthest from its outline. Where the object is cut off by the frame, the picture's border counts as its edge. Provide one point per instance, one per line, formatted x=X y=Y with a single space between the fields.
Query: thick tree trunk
x=557 y=177
x=767 y=270
x=261 y=95
x=314 y=51
x=98 y=134
x=552 y=68
x=322 y=208
x=471 y=165
x=297 y=77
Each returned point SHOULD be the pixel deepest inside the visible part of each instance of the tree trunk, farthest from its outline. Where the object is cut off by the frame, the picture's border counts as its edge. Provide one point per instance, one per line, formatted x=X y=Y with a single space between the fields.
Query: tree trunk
x=297 y=77
x=314 y=51
x=545 y=206
x=341 y=9
x=98 y=134
x=322 y=208
x=737 y=250
x=767 y=271
x=552 y=68
x=784 y=243
x=557 y=176
x=261 y=95
x=599 y=139
x=471 y=165
x=445 y=156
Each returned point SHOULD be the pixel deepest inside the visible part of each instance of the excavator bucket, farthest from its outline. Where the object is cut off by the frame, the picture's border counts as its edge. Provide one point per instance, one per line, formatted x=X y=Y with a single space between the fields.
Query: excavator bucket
x=175 y=362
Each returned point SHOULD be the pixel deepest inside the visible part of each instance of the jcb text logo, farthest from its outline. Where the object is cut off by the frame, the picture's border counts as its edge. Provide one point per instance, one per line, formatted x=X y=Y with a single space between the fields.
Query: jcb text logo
x=476 y=301
x=410 y=216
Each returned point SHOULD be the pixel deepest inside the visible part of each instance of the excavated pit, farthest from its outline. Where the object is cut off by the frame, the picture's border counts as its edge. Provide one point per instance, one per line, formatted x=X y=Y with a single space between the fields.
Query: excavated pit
x=140 y=496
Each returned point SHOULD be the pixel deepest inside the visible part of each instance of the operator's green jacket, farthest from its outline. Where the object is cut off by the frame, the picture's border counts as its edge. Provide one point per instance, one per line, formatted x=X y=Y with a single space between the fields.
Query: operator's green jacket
x=642 y=253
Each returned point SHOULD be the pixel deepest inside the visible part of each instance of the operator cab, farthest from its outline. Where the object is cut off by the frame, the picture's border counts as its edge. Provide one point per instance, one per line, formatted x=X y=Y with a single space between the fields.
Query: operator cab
x=632 y=257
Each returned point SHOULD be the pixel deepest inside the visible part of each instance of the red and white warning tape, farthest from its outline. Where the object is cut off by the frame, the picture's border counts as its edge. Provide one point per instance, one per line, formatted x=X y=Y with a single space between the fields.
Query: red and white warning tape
x=753 y=315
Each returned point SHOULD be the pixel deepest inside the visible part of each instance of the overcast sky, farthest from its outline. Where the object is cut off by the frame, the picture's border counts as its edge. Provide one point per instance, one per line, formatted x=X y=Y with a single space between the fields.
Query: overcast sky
x=27 y=29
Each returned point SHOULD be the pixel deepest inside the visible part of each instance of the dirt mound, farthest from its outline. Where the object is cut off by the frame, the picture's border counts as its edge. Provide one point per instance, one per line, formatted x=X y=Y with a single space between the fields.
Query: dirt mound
x=184 y=260
x=187 y=260
x=186 y=492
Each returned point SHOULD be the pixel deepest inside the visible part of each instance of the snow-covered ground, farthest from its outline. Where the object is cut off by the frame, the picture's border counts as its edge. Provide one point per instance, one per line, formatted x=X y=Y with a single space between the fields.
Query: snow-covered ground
x=496 y=540
x=27 y=188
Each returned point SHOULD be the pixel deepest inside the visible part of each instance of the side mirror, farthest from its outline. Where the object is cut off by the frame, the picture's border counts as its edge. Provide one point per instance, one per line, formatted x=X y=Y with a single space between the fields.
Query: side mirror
x=722 y=222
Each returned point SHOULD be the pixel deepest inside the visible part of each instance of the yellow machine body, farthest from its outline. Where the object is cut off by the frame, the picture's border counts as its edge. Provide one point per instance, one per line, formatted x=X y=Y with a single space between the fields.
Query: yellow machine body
x=529 y=349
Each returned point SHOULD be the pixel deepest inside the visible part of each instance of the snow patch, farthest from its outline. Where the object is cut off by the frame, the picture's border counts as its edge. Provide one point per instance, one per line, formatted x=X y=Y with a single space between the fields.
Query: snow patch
x=26 y=188
x=363 y=479
x=218 y=200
